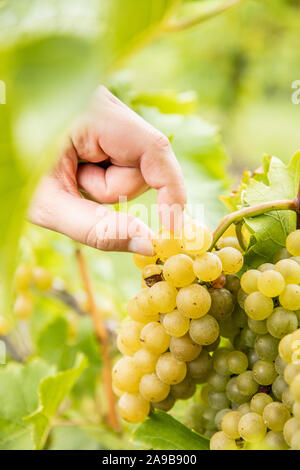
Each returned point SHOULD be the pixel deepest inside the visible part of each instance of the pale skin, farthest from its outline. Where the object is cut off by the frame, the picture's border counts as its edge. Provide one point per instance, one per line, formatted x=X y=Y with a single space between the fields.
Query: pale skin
x=137 y=157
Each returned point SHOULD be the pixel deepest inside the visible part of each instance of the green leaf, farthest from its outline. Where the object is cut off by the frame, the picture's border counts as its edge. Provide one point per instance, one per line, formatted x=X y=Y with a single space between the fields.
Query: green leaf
x=52 y=391
x=167 y=101
x=107 y=438
x=19 y=397
x=162 y=432
x=51 y=342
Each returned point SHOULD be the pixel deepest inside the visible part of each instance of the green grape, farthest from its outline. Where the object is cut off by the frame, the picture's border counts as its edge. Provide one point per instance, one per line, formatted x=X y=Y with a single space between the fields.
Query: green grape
x=154 y=337
x=249 y=280
x=228 y=329
x=252 y=357
x=142 y=261
x=129 y=335
x=220 y=361
x=258 y=326
x=233 y=284
x=293 y=243
x=285 y=348
x=265 y=267
x=234 y=394
x=213 y=346
x=296 y=258
x=200 y=368
x=246 y=383
x=258 y=306
x=204 y=391
x=290 y=297
x=222 y=303
x=209 y=413
x=251 y=427
x=162 y=297
x=193 y=301
x=259 y=401
x=230 y=424
x=219 y=417
x=23 y=306
x=217 y=381
x=289 y=269
x=170 y=370
x=280 y=255
x=178 y=270
x=280 y=365
x=237 y=362
x=271 y=283
x=266 y=347
x=184 y=349
x=194 y=418
x=274 y=441
x=295 y=387
x=247 y=338
x=23 y=277
x=217 y=400
x=220 y=441
x=145 y=360
x=126 y=375
x=291 y=371
x=166 y=245
x=207 y=267
x=231 y=259
x=219 y=282
x=244 y=408
x=41 y=278
x=278 y=387
x=287 y=399
x=184 y=389
x=229 y=241
x=296 y=410
x=143 y=303
x=195 y=238
x=241 y=298
x=291 y=426
x=205 y=330
x=133 y=407
x=176 y=324
x=275 y=415
x=153 y=389
x=264 y=372
x=239 y=318
x=282 y=322
x=138 y=314
x=166 y=404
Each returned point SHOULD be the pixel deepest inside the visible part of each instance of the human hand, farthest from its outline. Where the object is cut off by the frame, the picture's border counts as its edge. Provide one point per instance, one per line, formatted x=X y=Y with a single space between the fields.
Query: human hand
x=135 y=157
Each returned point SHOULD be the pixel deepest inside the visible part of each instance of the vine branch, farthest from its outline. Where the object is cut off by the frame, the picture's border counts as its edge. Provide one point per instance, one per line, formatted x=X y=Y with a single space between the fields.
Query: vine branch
x=238 y=216
x=102 y=335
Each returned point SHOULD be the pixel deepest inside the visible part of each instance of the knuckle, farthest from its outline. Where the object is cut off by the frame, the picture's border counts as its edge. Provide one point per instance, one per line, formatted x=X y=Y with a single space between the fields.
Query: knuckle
x=161 y=141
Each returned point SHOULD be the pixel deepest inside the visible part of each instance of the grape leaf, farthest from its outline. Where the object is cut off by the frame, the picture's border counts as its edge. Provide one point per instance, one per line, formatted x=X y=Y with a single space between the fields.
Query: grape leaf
x=161 y=431
x=52 y=391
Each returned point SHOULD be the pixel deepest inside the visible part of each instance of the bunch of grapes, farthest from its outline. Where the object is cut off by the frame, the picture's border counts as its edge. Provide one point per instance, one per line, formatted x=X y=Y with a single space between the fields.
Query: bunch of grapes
x=196 y=322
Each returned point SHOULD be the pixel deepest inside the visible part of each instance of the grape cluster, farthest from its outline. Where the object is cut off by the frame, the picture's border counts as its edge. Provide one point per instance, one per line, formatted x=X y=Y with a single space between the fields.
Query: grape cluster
x=196 y=322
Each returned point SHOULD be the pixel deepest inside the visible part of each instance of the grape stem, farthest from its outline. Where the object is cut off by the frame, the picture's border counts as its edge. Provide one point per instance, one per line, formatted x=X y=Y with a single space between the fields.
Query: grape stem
x=259 y=209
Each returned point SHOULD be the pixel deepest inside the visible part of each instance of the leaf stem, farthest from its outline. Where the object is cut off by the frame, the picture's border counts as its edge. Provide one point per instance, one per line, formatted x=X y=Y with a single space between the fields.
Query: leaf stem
x=259 y=209
x=102 y=334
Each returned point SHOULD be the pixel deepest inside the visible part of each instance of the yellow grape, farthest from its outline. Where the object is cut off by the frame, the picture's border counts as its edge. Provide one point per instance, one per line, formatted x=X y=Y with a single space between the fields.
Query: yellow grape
x=289 y=269
x=193 y=301
x=145 y=360
x=271 y=283
x=290 y=297
x=170 y=370
x=196 y=238
x=155 y=338
x=285 y=348
x=23 y=306
x=220 y=441
x=176 y=324
x=232 y=260
x=293 y=243
x=178 y=270
x=126 y=375
x=133 y=407
x=258 y=306
x=153 y=389
x=166 y=244
x=249 y=280
x=41 y=278
x=130 y=335
x=142 y=261
x=251 y=427
x=162 y=297
x=23 y=277
x=232 y=242
x=207 y=267
x=138 y=314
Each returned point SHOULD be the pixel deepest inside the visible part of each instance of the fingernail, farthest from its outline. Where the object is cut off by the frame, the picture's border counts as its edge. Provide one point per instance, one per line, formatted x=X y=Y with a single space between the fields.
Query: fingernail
x=143 y=246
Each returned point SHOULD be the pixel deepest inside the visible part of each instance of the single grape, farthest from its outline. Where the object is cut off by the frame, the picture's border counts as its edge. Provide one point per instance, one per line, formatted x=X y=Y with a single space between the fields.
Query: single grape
x=123 y=348
x=220 y=361
x=271 y=283
x=154 y=337
x=264 y=372
x=195 y=238
x=41 y=278
x=184 y=349
x=274 y=441
x=23 y=306
x=289 y=269
x=275 y=415
x=153 y=389
x=222 y=303
x=129 y=335
x=166 y=244
x=230 y=423
x=220 y=441
x=258 y=306
x=266 y=347
x=278 y=387
x=201 y=367
x=23 y=277
x=176 y=324
x=291 y=426
x=281 y=322
x=133 y=407
x=280 y=365
x=244 y=408
x=280 y=255
x=207 y=267
x=143 y=303
x=170 y=370
x=249 y=280
x=145 y=360
x=251 y=427
x=193 y=301
x=126 y=375
x=232 y=284
x=217 y=381
x=219 y=282
x=259 y=401
x=136 y=313
x=258 y=326
x=265 y=267
x=229 y=241
x=246 y=383
x=231 y=259
x=291 y=371
x=162 y=297
x=219 y=417
x=217 y=400
x=184 y=389
x=290 y=297
x=205 y=330
x=178 y=270
x=234 y=394
x=295 y=387
x=285 y=348
x=287 y=399
x=142 y=261
x=237 y=362
x=293 y=243
x=166 y=404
